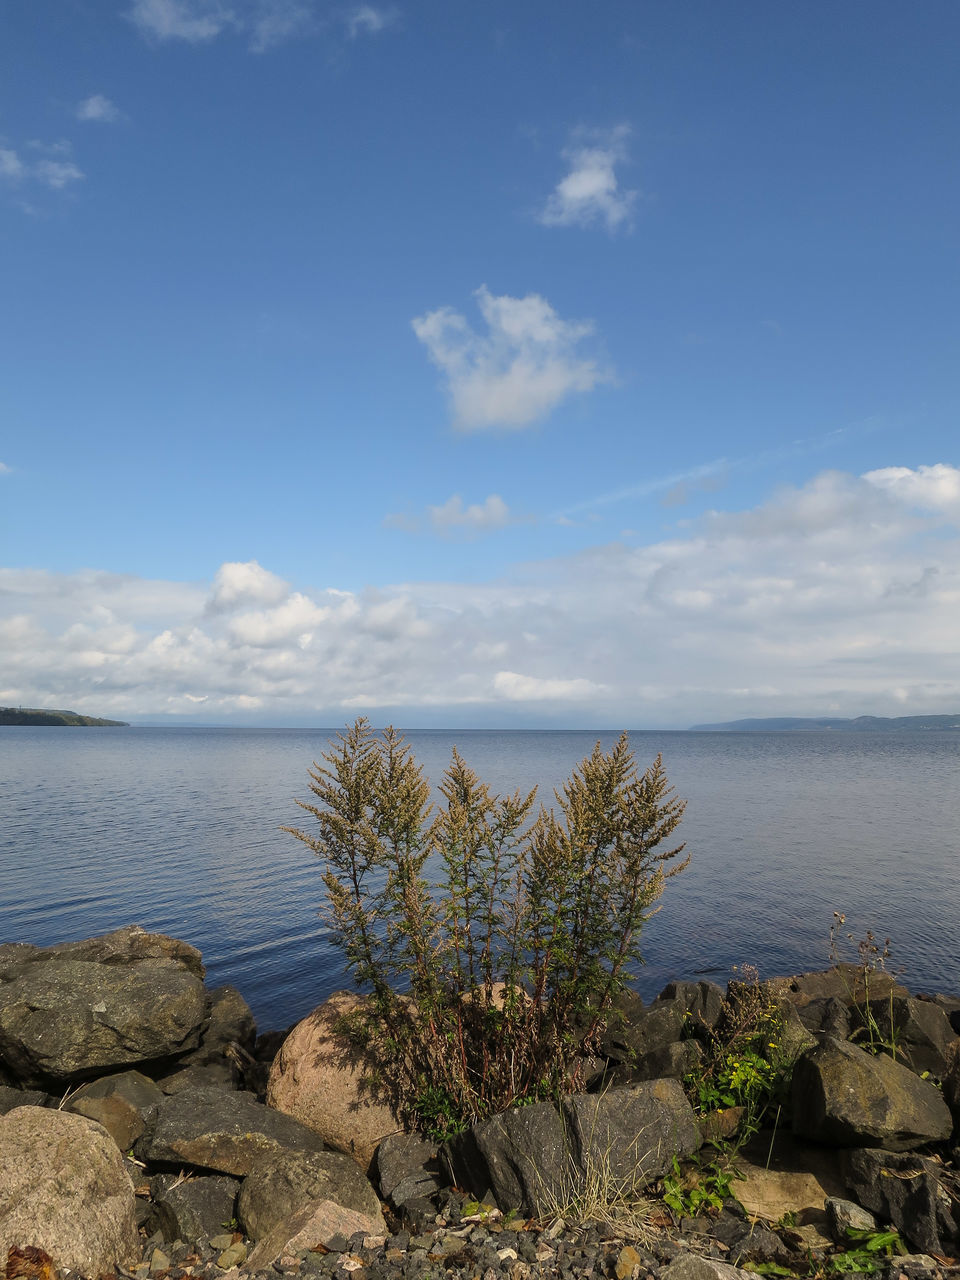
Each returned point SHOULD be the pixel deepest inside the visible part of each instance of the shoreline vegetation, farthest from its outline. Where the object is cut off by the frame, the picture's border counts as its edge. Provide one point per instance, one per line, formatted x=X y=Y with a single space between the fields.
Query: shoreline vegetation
x=56 y=719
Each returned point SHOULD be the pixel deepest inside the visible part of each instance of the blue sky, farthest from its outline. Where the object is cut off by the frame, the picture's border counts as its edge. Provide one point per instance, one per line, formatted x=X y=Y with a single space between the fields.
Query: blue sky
x=479 y=363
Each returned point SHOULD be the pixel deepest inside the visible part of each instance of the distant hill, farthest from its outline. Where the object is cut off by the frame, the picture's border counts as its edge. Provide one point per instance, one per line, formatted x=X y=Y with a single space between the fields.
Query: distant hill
x=862 y=724
x=31 y=715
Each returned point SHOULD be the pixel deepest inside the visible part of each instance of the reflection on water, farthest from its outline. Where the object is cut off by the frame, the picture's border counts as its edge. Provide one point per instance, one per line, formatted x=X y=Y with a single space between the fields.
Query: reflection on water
x=179 y=830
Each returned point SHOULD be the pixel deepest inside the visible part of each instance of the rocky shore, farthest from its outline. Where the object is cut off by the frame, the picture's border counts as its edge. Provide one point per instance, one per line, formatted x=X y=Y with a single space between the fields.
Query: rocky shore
x=147 y=1132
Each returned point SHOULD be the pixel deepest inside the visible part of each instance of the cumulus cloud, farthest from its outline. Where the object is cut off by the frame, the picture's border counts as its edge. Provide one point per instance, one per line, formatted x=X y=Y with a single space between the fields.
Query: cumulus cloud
x=452 y=517
x=4 y=469
x=11 y=166
x=527 y=362
x=840 y=596
x=589 y=194
x=97 y=108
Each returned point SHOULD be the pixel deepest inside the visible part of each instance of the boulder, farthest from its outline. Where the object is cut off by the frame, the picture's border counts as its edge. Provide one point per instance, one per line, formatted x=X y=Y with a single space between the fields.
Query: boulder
x=536 y=1158
x=280 y=1184
x=672 y=1062
x=778 y=1174
x=201 y=1075
x=847 y=1097
x=123 y=1103
x=919 y=1030
x=825 y=1016
x=630 y=1134
x=314 y=1224
x=406 y=1167
x=691 y=1266
x=63 y=1189
x=191 y=1208
x=629 y=1039
x=318 y=1078
x=905 y=1190
x=80 y=1009
x=220 y=1131
x=11 y=1097
x=844 y=1216
x=521 y=1158
x=702 y=1001
x=231 y=1024
x=845 y=982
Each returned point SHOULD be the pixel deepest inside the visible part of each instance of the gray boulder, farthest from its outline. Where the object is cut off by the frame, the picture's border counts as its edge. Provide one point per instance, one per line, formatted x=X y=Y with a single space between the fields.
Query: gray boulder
x=919 y=1030
x=702 y=1001
x=11 y=1097
x=220 y=1131
x=521 y=1158
x=537 y=1158
x=847 y=1097
x=630 y=1134
x=905 y=1190
x=646 y=1030
x=406 y=1167
x=672 y=1062
x=81 y=1009
x=231 y=1024
x=63 y=1189
x=281 y=1184
x=192 y=1208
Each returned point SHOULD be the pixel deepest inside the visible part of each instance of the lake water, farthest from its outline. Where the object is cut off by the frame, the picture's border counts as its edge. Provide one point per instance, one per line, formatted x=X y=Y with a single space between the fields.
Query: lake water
x=177 y=829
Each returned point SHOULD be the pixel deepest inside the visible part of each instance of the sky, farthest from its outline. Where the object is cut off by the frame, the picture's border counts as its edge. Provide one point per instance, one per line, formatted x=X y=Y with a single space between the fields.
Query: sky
x=448 y=363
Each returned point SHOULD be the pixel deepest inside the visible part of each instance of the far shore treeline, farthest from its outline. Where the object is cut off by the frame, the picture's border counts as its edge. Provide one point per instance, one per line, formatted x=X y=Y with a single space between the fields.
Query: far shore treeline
x=36 y=716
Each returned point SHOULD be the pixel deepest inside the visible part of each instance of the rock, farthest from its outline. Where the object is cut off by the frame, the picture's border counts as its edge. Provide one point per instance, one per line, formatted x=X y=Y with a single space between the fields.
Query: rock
x=631 y=1133
x=920 y=1032
x=406 y=1167
x=63 y=1189
x=318 y=1079
x=691 y=1266
x=845 y=982
x=81 y=1009
x=188 y=1209
x=781 y=1174
x=224 y=1132
x=231 y=1023
x=627 y=1259
x=672 y=1062
x=847 y=1097
x=843 y=1216
x=11 y=1097
x=702 y=1001
x=122 y=1103
x=825 y=1016
x=646 y=1030
x=278 y=1185
x=315 y=1223
x=521 y=1158
x=905 y=1190
x=202 y=1075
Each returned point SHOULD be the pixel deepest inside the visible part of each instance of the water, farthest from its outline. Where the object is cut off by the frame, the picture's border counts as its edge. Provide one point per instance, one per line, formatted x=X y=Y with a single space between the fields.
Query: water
x=178 y=830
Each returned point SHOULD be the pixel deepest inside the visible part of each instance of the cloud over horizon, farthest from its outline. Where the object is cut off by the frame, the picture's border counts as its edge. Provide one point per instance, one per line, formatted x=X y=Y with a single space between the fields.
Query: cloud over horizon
x=839 y=597
x=526 y=364
x=264 y=23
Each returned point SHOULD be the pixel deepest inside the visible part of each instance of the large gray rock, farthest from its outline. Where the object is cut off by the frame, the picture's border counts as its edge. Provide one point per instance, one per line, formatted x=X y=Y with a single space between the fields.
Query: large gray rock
x=188 y=1209
x=629 y=1038
x=231 y=1024
x=84 y=1008
x=406 y=1167
x=847 y=1097
x=63 y=1189
x=631 y=1134
x=702 y=1001
x=538 y=1158
x=220 y=1131
x=315 y=1223
x=906 y=1191
x=919 y=1030
x=279 y=1185
x=522 y=1158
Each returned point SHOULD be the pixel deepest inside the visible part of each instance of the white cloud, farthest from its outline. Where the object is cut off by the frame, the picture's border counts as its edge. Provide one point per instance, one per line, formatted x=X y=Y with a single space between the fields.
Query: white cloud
x=493 y=513
x=366 y=20
x=47 y=170
x=4 y=469
x=195 y=21
x=840 y=596
x=590 y=192
x=524 y=366
x=97 y=108
x=56 y=174
x=245 y=582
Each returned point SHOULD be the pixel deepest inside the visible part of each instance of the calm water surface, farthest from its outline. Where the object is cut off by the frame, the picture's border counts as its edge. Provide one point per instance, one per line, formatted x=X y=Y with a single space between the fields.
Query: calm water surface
x=178 y=830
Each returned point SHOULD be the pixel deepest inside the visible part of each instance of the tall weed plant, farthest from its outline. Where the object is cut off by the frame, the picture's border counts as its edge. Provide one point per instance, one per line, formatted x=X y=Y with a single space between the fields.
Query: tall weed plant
x=487 y=984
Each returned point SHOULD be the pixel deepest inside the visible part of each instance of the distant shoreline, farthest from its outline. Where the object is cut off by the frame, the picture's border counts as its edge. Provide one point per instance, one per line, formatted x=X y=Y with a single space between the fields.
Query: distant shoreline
x=861 y=724
x=56 y=719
